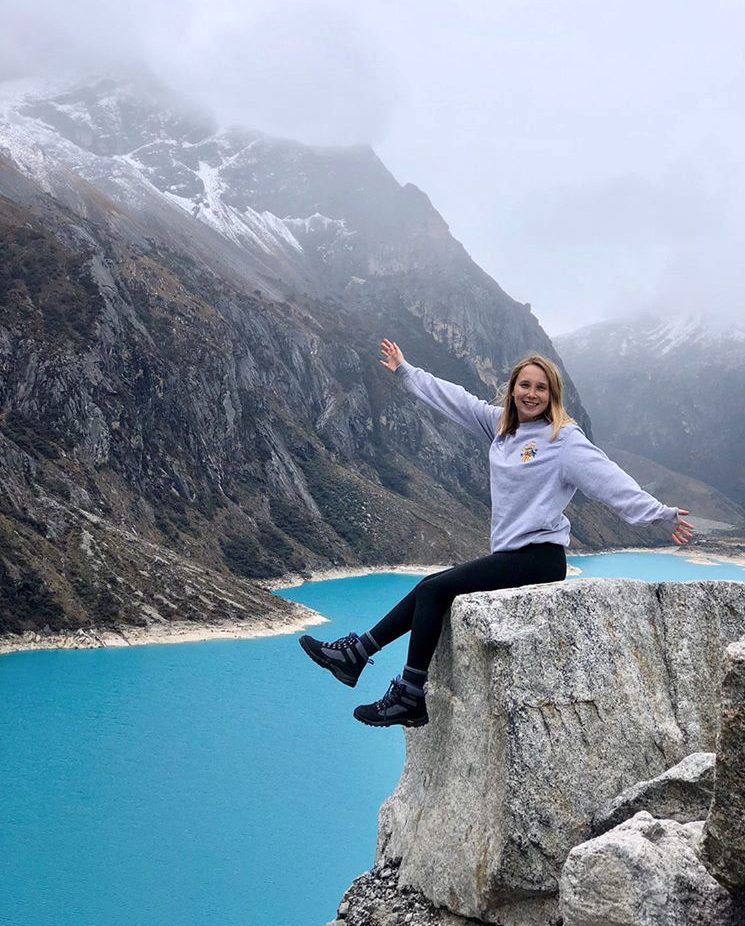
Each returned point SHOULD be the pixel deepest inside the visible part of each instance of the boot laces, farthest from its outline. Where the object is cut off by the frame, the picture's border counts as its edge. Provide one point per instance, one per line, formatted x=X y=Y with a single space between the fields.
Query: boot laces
x=348 y=642
x=344 y=642
x=395 y=689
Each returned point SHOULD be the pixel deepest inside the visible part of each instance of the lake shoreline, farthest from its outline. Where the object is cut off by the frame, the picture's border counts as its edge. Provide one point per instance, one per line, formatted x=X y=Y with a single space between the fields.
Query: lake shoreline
x=292 y=580
x=161 y=633
x=302 y=617
x=700 y=557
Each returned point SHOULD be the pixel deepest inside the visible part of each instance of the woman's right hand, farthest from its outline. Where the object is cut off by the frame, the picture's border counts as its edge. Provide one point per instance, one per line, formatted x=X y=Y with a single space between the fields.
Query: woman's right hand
x=393 y=357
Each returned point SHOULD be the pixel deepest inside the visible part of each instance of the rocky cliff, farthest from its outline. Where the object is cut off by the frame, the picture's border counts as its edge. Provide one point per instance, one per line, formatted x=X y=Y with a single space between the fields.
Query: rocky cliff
x=548 y=706
x=189 y=322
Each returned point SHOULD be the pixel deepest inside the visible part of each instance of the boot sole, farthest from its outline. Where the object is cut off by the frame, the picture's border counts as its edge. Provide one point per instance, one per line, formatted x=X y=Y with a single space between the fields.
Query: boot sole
x=418 y=722
x=334 y=670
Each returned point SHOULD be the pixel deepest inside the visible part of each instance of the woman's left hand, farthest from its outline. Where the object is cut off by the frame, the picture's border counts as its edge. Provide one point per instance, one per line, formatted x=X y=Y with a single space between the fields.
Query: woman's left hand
x=683 y=531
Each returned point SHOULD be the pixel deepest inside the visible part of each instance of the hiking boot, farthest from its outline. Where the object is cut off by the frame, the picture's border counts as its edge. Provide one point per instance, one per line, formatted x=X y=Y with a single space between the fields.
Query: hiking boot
x=400 y=704
x=344 y=658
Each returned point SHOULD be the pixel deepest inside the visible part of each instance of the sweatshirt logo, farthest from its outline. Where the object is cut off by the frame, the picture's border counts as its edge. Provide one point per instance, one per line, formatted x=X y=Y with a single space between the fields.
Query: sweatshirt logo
x=528 y=452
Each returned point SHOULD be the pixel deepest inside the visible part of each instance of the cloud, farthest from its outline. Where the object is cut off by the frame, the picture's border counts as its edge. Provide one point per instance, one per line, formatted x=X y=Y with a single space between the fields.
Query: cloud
x=42 y=38
x=587 y=155
x=305 y=70
x=667 y=241
x=312 y=72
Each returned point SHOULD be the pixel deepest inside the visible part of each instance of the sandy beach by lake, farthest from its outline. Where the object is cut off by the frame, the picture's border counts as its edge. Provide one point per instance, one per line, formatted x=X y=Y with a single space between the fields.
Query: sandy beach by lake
x=166 y=632
x=301 y=617
x=292 y=580
x=193 y=632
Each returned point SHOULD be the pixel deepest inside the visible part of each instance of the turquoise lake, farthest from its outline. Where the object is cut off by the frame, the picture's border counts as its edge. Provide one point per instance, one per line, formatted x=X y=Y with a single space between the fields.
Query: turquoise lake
x=208 y=784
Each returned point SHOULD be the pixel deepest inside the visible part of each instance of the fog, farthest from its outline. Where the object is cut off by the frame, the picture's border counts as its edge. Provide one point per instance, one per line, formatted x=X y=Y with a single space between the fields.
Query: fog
x=588 y=156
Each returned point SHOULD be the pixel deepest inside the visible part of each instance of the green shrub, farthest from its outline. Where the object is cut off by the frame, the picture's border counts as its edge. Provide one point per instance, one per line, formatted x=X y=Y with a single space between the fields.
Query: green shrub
x=38 y=438
x=27 y=604
x=245 y=558
x=392 y=476
x=342 y=501
x=295 y=521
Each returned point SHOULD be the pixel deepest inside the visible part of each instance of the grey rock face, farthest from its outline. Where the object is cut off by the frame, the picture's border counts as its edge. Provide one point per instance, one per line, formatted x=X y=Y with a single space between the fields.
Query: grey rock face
x=644 y=872
x=545 y=703
x=682 y=793
x=215 y=423
x=724 y=833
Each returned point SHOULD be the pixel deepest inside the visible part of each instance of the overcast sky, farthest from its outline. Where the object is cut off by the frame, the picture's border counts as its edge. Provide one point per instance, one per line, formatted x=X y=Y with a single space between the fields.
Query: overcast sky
x=588 y=155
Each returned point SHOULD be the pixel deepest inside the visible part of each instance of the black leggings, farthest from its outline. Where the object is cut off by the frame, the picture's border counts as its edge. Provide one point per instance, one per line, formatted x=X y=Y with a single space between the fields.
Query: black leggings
x=423 y=609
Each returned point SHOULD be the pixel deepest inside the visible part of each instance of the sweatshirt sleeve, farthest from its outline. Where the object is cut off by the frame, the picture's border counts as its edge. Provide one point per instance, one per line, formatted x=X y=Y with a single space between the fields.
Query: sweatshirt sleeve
x=453 y=401
x=586 y=467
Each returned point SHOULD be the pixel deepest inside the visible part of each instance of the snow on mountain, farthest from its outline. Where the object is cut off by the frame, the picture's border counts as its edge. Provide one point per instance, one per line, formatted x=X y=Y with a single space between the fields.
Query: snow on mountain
x=657 y=336
x=680 y=333
x=115 y=133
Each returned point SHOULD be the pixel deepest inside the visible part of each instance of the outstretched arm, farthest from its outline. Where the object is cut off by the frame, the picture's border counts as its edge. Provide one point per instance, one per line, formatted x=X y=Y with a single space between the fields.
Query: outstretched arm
x=586 y=466
x=453 y=401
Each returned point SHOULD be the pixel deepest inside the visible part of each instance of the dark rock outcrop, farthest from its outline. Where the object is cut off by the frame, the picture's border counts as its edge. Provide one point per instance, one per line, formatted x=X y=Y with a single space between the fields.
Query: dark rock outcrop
x=377 y=899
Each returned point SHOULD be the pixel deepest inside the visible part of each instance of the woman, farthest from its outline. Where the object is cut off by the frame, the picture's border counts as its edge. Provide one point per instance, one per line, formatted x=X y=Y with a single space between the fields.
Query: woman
x=538 y=458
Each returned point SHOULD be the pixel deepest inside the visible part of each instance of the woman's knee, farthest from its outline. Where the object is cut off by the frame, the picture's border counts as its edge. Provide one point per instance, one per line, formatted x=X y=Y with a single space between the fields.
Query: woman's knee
x=428 y=583
x=433 y=576
x=425 y=582
x=432 y=591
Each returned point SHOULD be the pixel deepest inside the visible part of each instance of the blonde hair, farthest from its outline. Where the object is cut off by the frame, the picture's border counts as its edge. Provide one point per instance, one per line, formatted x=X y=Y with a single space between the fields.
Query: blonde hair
x=556 y=414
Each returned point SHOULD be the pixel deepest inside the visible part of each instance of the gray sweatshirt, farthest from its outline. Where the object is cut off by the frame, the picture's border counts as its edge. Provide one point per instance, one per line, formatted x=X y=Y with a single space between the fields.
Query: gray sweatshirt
x=533 y=478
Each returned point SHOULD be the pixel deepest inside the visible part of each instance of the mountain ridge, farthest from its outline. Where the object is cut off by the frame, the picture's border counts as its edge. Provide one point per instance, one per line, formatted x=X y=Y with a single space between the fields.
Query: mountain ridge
x=667 y=389
x=223 y=400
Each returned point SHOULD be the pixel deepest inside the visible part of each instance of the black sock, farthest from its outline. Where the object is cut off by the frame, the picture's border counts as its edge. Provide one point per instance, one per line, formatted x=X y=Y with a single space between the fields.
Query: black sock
x=367 y=641
x=414 y=678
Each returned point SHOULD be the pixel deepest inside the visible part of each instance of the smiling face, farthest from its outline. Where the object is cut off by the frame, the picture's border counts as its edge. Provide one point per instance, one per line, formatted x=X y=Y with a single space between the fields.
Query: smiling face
x=531 y=393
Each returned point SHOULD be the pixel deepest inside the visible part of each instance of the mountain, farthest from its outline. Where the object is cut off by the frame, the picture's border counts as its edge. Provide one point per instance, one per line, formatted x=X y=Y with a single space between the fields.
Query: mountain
x=190 y=398
x=669 y=390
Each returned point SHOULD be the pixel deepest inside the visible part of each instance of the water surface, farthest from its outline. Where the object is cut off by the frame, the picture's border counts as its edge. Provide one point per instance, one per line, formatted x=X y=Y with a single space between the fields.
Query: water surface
x=222 y=783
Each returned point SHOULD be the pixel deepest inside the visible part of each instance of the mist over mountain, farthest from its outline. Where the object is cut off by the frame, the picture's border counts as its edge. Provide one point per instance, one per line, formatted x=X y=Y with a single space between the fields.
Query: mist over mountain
x=191 y=397
x=668 y=389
